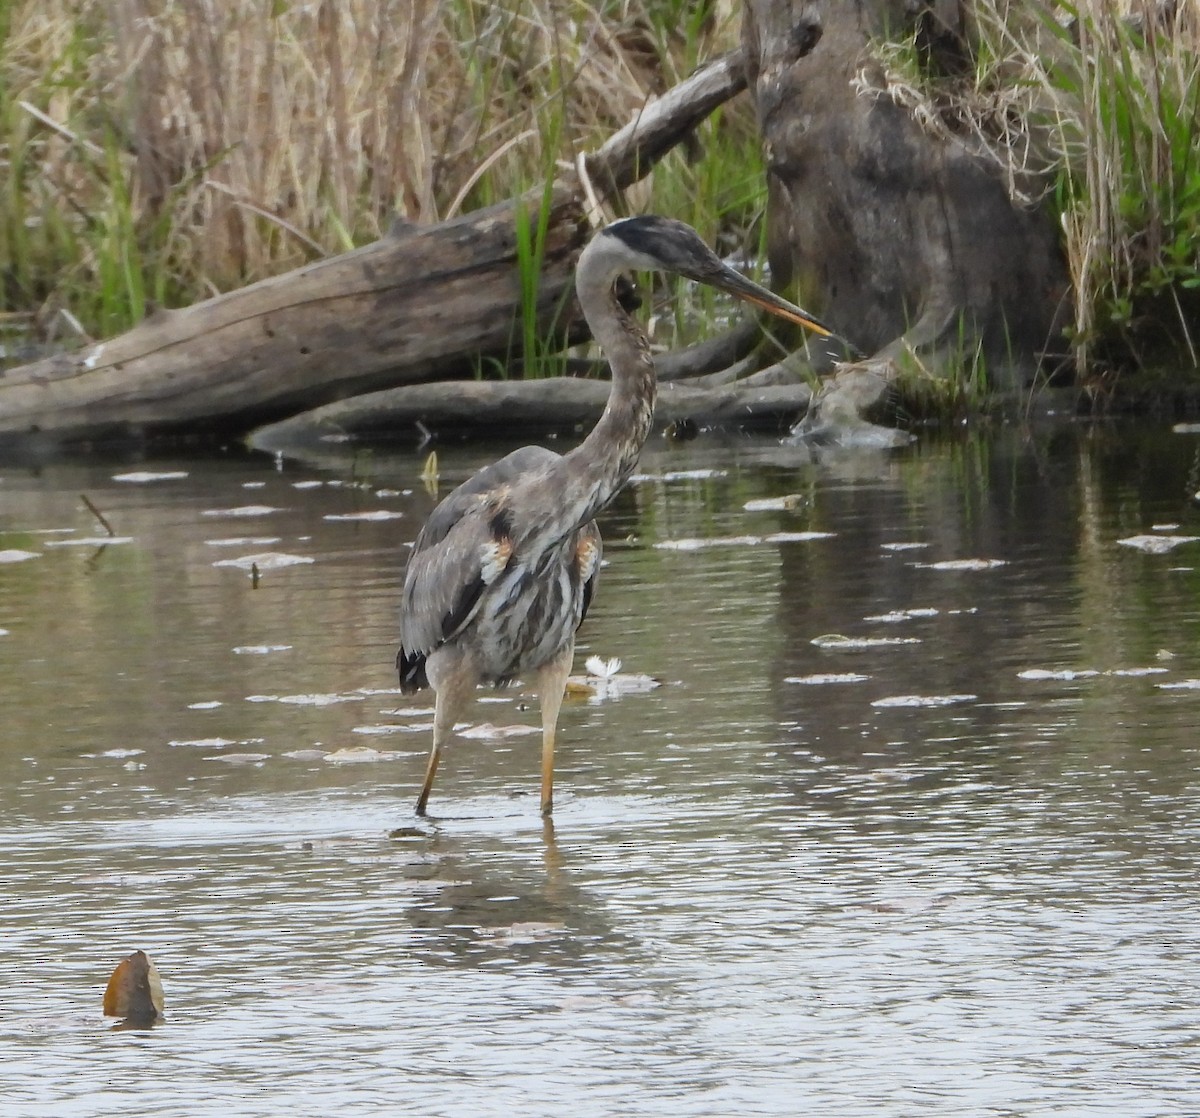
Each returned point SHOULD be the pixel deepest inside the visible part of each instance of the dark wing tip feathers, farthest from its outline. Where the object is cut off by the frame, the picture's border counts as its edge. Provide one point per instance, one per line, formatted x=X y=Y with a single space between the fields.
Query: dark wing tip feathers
x=410 y=666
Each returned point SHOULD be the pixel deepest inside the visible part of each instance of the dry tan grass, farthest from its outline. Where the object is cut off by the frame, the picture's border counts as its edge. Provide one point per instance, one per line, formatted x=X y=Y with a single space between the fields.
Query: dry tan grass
x=258 y=134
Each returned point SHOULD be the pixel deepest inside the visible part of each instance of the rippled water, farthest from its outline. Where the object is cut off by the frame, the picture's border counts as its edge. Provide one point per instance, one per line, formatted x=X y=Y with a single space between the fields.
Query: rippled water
x=897 y=833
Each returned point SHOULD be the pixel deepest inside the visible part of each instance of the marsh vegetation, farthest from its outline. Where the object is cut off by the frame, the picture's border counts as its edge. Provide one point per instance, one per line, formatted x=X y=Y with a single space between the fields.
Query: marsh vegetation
x=155 y=154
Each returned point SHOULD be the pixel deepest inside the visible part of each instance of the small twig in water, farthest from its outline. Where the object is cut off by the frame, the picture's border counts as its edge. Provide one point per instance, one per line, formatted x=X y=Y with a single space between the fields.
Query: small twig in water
x=97 y=513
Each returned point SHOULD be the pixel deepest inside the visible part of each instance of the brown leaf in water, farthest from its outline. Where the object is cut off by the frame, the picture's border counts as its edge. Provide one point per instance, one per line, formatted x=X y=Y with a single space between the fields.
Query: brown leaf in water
x=135 y=991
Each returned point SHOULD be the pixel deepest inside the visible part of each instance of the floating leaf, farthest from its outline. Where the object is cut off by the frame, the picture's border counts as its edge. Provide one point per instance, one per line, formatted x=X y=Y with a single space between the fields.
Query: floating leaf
x=89 y=541
x=740 y=541
x=362 y=754
x=964 y=565
x=1064 y=674
x=375 y=514
x=205 y=743
x=244 y=541
x=1156 y=545
x=897 y=615
x=489 y=731
x=711 y=541
x=600 y=687
x=243 y=510
x=796 y=537
x=770 y=504
x=265 y=561
x=828 y=677
x=838 y=642
x=678 y=475
x=311 y=700
x=144 y=477
x=923 y=700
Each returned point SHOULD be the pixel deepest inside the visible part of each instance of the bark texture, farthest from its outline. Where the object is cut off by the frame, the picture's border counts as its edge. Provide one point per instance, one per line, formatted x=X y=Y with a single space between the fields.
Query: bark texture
x=904 y=239
x=411 y=306
x=560 y=404
x=423 y=303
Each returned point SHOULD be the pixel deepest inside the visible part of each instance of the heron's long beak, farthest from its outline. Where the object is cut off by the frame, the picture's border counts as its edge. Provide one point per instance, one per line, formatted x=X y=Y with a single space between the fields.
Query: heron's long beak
x=734 y=283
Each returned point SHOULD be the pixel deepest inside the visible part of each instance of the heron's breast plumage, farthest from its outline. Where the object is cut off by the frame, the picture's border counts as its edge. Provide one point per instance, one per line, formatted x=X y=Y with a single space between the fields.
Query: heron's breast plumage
x=532 y=609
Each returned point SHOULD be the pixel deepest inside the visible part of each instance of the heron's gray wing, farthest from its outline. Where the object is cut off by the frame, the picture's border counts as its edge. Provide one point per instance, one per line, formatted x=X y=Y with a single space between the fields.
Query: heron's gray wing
x=445 y=580
x=462 y=548
x=496 y=476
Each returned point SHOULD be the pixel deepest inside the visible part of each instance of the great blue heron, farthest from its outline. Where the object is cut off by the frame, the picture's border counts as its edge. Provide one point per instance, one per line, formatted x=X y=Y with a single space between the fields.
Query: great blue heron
x=505 y=567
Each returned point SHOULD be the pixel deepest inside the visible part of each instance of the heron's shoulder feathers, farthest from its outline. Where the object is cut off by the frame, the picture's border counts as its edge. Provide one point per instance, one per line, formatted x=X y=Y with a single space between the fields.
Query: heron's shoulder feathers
x=481 y=492
x=465 y=546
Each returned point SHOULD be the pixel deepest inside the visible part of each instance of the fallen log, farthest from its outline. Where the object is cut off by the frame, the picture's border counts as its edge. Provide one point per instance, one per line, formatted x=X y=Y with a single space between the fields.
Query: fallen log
x=907 y=242
x=405 y=308
x=420 y=303
x=562 y=404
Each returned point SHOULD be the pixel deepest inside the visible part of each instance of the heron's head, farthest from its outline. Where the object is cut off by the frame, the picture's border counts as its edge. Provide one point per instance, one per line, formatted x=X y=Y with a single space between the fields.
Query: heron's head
x=661 y=244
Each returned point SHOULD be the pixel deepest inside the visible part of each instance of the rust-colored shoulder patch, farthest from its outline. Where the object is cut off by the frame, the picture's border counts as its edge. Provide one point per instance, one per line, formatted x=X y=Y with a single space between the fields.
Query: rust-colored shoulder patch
x=493 y=559
x=587 y=557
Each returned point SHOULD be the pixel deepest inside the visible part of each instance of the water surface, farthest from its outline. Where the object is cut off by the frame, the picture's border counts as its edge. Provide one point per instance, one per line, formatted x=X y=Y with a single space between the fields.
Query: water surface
x=908 y=826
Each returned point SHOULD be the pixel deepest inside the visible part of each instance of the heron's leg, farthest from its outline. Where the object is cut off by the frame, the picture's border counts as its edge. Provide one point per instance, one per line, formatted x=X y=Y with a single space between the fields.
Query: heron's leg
x=432 y=767
x=450 y=696
x=552 y=683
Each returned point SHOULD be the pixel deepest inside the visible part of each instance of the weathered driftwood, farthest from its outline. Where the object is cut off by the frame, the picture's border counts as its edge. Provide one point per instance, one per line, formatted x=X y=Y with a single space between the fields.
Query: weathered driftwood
x=403 y=308
x=420 y=303
x=562 y=404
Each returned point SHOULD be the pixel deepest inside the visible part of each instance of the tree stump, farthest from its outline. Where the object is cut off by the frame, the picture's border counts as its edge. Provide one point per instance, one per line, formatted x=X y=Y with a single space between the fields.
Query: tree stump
x=903 y=239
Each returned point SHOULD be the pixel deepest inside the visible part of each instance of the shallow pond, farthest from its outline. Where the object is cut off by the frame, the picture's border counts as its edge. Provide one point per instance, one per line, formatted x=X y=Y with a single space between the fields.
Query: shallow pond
x=910 y=824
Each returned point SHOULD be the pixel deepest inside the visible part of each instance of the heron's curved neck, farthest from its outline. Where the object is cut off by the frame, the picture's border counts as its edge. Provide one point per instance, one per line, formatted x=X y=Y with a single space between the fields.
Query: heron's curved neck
x=601 y=464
